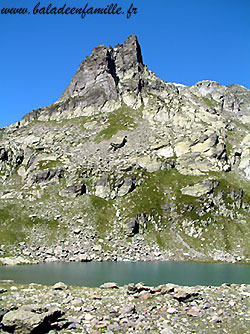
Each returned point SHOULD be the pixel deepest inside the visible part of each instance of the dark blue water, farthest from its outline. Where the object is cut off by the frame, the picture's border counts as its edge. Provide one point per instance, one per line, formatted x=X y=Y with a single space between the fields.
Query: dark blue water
x=93 y=274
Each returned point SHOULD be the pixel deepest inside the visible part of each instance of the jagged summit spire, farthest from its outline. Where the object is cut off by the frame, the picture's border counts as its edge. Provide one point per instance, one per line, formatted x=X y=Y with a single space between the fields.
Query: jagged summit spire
x=133 y=45
x=101 y=75
x=104 y=81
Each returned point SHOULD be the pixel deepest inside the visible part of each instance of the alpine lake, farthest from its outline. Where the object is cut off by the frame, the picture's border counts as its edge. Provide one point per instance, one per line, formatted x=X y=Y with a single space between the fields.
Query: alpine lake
x=93 y=274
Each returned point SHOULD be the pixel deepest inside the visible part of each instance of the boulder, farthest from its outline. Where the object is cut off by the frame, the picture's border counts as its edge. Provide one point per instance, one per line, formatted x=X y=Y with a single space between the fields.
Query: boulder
x=136 y=224
x=77 y=189
x=128 y=309
x=186 y=294
x=84 y=258
x=167 y=330
x=194 y=312
x=2 y=290
x=138 y=289
x=59 y=286
x=73 y=191
x=165 y=152
x=30 y=319
x=125 y=186
x=132 y=227
x=245 y=162
x=199 y=189
x=143 y=295
x=3 y=311
x=182 y=147
x=150 y=163
x=102 y=188
x=11 y=261
x=109 y=285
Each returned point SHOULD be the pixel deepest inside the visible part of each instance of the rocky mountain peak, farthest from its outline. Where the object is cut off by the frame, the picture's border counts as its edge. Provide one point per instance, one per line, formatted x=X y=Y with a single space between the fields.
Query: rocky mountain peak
x=100 y=77
x=128 y=55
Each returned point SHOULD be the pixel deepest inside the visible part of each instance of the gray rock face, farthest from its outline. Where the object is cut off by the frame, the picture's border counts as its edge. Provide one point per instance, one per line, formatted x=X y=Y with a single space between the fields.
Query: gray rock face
x=77 y=189
x=47 y=175
x=136 y=224
x=10 y=158
x=95 y=79
x=109 y=77
x=99 y=76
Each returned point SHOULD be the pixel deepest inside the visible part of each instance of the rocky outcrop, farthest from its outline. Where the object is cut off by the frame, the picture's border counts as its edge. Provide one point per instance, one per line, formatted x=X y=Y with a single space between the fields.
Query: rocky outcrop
x=10 y=159
x=104 y=80
x=136 y=224
x=42 y=176
x=74 y=190
x=101 y=76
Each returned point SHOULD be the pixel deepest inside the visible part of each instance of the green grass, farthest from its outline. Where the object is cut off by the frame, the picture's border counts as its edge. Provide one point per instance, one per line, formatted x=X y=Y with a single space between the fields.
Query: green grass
x=16 y=224
x=103 y=213
x=119 y=120
x=1 y=133
x=242 y=126
x=229 y=147
x=78 y=121
x=88 y=181
x=210 y=102
x=49 y=164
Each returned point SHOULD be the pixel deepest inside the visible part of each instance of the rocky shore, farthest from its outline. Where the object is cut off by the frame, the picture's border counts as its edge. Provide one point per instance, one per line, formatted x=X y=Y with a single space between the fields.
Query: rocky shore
x=134 y=308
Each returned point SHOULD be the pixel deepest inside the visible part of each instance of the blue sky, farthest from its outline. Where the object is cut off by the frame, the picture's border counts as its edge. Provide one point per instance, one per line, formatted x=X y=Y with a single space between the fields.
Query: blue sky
x=182 y=41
